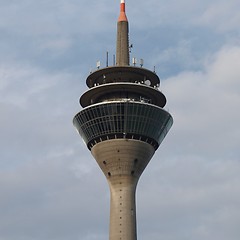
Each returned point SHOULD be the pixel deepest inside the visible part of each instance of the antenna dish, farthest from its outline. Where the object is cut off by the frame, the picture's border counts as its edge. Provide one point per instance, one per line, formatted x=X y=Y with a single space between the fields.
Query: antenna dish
x=134 y=61
x=148 y=82
x=107 y=60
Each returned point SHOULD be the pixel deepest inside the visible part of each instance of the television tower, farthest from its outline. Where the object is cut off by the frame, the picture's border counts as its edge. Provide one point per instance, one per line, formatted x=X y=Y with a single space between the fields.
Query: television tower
x=123 y=123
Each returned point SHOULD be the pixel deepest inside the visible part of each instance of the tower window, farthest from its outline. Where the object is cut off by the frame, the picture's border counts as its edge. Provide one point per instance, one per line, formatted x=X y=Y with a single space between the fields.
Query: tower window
x=109 y=174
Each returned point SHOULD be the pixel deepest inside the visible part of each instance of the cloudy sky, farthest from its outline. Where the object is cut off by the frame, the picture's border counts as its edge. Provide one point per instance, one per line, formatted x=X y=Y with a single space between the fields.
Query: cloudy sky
x=50 y=186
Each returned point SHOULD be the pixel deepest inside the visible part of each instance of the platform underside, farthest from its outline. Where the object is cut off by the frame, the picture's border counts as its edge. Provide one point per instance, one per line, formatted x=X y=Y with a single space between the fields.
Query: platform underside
x=118 y=157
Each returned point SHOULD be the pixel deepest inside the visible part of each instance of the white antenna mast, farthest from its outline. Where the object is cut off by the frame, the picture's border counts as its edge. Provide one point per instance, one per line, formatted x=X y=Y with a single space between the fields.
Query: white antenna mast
x=98 y=64
x=134 y=61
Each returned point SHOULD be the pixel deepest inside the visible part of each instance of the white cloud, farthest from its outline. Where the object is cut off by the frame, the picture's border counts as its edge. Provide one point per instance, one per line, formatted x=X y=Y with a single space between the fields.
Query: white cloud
x=204 y=105
x=59 y=46
x=19 y=83
x=224 y=71
x=218 y=14
x=45 y=200
x=221 y=15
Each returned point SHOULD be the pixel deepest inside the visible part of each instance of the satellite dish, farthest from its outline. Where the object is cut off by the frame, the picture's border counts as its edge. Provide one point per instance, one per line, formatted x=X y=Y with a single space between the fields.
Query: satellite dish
x=148 y=82
x=134 y=61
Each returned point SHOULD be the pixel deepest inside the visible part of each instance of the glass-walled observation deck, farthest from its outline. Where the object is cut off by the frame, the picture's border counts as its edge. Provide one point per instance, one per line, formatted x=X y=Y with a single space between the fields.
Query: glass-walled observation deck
x=123 y=119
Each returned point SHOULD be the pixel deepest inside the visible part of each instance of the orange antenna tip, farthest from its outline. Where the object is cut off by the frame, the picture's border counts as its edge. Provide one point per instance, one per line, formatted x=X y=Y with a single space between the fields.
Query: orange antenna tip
x=122 y=16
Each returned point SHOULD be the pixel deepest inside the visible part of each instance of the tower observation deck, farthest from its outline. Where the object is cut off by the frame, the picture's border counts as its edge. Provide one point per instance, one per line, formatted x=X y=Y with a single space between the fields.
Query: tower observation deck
x=123 y=123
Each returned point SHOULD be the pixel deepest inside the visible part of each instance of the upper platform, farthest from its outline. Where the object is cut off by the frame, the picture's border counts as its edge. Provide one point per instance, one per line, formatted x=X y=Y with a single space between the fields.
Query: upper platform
x=123 y=91
x=118 y=74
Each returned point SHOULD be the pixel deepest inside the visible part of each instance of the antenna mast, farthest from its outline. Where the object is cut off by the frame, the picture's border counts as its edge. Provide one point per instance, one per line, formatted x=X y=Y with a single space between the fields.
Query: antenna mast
x=122 y=51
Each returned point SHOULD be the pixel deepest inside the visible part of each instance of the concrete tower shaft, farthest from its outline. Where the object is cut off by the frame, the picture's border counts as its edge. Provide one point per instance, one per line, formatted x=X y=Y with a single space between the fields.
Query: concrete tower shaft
x=122 y=161
x=122 y=50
